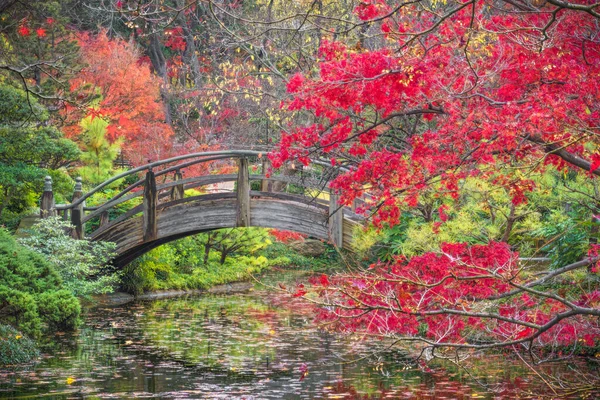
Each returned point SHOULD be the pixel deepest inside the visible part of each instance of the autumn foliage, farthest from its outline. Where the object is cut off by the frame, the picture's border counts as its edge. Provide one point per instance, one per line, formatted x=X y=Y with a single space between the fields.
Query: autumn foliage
x=128 y=98
x=453 y=91
x=483 y=98
x=286 y=236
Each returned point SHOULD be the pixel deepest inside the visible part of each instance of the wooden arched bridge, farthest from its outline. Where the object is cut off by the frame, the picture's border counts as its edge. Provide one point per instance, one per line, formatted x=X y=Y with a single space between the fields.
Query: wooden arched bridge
x=165 y=212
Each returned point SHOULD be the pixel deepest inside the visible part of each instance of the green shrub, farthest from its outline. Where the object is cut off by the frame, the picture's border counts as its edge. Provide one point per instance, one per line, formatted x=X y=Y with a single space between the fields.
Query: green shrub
x=15 y=348
x=80 y=263
x=30 y=291
x=20 y=309
x=60 y=310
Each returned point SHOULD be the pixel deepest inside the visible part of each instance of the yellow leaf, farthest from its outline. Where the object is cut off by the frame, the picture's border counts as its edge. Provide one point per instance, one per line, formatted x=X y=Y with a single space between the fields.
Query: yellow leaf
x=70 y=380
x=18 y=337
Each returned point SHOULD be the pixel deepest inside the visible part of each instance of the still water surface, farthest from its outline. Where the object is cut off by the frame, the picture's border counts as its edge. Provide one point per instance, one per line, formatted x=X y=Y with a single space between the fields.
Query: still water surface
x=243 y=346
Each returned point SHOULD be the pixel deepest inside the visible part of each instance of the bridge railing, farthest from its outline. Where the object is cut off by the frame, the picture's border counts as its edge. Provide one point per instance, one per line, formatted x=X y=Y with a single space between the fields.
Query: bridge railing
x=174 y=185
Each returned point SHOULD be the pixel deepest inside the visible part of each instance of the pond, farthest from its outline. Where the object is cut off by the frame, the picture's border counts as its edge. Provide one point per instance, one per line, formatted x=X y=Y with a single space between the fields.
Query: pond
x=244 y=346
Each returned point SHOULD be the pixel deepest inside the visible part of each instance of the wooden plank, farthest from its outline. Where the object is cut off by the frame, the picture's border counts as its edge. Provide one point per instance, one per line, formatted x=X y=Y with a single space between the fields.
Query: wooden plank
x=149 y=226
x=243 y=193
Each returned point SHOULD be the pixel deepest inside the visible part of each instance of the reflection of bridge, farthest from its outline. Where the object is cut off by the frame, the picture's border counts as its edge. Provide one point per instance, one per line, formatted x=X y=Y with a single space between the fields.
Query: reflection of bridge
x=164 y=212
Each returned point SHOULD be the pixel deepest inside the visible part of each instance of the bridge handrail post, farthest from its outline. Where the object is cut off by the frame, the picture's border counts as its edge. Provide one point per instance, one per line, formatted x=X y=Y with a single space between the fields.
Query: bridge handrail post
x=149 y=225
x=77 y=212
x=243 y=193
x=266 y=185
x=47 y=205
x=336 y=220
x=177 y=192
x=104 y=218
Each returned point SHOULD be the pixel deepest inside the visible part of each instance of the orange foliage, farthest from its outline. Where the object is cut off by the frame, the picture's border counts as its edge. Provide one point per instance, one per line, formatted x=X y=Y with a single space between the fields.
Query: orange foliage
x=130 y=98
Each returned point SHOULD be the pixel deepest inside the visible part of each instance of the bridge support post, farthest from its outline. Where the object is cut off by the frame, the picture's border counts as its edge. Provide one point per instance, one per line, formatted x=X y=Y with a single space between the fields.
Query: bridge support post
x=266 y=185
x=177 y=191
x=77 y=211
x=336 y=221
x=104 y=218
x=243 y=193
x=149 y=225
x=47 y=202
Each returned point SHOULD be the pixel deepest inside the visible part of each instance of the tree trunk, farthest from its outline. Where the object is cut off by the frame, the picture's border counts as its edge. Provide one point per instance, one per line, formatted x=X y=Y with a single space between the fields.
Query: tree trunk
x=510 y=222
x=160 y=68
x=189 y=55
x=207 y=246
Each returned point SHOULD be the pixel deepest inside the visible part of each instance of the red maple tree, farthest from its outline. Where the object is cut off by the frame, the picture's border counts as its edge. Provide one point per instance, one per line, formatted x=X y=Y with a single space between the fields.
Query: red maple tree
x=451 y=90
x=129 y=98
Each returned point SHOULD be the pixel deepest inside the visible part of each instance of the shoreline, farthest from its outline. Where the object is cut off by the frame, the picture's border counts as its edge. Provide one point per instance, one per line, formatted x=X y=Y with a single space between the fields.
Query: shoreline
x=120 y=298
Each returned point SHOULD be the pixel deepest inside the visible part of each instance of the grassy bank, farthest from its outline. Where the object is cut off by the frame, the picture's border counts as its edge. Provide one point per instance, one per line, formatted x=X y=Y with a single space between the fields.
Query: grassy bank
x=183 y=264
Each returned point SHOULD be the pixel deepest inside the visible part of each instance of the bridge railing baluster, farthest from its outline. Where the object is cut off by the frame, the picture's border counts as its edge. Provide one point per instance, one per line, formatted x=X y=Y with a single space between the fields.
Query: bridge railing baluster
x=149 y=225
x=47 y=202
x=336 y=220
x=77 y=212
x=266 y=185
x=243 y=193
x=177 y=191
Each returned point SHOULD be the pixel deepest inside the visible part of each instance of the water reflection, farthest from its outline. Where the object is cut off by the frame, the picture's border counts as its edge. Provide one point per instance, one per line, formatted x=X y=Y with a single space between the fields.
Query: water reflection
x=238 y=347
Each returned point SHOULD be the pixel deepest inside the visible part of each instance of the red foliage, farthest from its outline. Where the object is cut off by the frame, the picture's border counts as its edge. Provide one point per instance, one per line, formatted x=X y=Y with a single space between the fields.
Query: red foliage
x=503 y=103
x=483 y=88
x=286 y=236
x=130 y=99
x=175 y=39
x=23 y=30
x=445 y=294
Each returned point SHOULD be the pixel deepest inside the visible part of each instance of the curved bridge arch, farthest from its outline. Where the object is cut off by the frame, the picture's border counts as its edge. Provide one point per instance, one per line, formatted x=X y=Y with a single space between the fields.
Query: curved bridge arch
x=165 y=214
x=176 y=220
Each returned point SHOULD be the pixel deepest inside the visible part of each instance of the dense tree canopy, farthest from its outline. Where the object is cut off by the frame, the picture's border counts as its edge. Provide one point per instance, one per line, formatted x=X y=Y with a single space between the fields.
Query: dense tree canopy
x=28 y=148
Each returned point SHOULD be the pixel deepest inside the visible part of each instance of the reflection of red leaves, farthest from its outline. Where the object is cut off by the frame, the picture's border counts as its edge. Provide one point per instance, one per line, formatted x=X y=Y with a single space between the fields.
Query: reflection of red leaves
x=303 y=371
